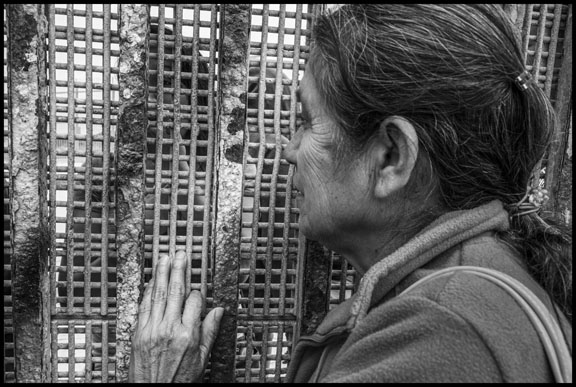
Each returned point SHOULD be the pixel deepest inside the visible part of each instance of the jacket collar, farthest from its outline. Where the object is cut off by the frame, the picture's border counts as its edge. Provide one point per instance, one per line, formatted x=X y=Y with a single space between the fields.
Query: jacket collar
x=444 y=233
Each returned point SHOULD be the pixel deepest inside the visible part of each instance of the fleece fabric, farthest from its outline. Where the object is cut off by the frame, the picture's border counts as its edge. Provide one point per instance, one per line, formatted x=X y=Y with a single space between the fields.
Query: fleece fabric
x=459 y=328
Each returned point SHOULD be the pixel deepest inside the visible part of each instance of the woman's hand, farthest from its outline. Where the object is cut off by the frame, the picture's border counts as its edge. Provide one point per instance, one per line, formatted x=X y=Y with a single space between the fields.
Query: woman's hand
x=171 y=345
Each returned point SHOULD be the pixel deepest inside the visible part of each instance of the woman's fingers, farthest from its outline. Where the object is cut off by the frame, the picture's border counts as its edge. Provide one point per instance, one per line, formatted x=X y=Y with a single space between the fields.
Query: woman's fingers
x=210 y=327
x=192 y=310
x=146 y=305
x=176 y=288
x=160 y=289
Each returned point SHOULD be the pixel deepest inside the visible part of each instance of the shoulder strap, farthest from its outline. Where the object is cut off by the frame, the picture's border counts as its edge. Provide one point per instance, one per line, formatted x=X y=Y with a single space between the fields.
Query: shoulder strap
x=547 y=327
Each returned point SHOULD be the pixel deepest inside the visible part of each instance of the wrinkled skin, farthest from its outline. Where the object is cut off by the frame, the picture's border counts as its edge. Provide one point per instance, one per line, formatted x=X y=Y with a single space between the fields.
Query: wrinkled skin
x=171 y=344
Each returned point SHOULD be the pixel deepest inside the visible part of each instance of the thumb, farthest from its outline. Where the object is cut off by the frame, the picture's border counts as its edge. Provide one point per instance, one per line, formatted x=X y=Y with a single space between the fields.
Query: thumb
x=210 y=327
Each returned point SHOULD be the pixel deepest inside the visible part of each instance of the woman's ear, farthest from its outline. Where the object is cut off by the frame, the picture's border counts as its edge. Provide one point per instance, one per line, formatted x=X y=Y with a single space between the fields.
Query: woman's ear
x=396 y=152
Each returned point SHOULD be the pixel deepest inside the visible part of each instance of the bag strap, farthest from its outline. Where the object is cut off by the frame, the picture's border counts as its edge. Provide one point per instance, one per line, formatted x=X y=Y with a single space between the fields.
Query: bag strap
x=547 y=327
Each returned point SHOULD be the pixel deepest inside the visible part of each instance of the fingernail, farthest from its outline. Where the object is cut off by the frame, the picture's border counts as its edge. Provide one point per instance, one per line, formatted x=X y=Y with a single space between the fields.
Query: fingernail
x=218 y=314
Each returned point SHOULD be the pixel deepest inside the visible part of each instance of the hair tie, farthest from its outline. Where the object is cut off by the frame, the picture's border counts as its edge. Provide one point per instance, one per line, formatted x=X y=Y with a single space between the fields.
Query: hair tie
x=532 y=201
x=522 y=80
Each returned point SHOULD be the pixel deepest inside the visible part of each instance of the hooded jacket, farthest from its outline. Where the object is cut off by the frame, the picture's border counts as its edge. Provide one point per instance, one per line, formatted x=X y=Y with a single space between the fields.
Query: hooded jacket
x=459 y=328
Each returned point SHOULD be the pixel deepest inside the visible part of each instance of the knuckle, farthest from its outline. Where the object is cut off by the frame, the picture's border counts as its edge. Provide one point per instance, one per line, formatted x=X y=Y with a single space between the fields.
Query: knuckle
x=161 y=335
x=194 y=299
x=183 y=338
x=179 y=262
x=159 y=295
x=180 y=256
x=142 y=308
x=176 y=291
x=163 y=262
x=141 y=341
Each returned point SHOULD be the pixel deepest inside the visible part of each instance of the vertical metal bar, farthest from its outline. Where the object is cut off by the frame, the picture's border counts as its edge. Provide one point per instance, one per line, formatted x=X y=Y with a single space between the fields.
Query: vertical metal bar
x=54 y=347
x=292 y=127
x=88 y=351
x=130 y=150
x=552 y=48
x=27 y=30
x=264 y=351
x=159 y=132
x=71 y=156
x=88 y=164
x=71 y=348
x=260 y=163
x=279 y=347
x=563 y=109
x=249 y=351
x=233 y=79
x=210 y=150
x=105 y=161
x=52 y=147
x=343 y=277
x=104 y=375
x=192 y=162
x=176 y=132
x=539 y=42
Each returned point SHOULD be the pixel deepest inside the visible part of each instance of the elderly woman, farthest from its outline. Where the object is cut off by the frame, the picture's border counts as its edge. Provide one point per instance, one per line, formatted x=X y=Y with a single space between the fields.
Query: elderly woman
x=421 y=129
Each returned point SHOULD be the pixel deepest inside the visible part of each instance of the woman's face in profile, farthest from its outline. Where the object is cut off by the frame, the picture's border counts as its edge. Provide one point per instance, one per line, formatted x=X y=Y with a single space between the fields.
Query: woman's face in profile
x=332 y=201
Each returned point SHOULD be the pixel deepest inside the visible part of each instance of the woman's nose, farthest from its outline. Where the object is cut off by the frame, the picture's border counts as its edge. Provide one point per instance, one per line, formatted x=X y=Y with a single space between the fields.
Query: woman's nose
x=290 y=148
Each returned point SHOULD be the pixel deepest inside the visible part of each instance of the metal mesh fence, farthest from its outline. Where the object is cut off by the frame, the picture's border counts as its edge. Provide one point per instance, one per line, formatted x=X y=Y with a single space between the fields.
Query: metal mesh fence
x=187 y=175
x=83 y=50
x=269 y=238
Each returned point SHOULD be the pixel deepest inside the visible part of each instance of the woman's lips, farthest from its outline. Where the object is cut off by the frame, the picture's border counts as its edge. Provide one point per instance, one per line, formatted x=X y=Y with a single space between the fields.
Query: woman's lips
x=298 y=191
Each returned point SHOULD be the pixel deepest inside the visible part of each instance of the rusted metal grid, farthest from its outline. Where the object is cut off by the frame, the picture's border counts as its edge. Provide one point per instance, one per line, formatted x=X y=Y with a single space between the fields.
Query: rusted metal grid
x=181 y=127
x=179 y=195
x=85 y=79
x=268 y=280
x=83 y=103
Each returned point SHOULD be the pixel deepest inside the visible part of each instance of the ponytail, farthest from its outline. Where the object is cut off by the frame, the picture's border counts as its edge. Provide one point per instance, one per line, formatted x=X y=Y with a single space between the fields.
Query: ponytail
x=546 y=246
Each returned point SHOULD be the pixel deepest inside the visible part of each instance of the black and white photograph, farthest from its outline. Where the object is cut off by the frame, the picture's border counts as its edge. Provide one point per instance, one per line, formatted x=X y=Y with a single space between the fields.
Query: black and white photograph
x=287 y=193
